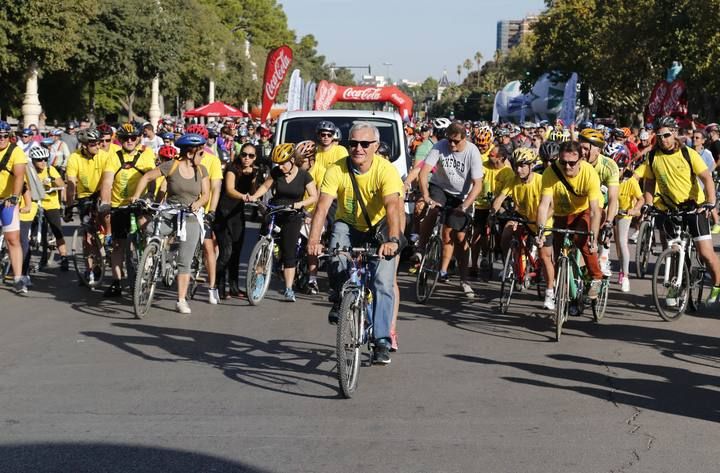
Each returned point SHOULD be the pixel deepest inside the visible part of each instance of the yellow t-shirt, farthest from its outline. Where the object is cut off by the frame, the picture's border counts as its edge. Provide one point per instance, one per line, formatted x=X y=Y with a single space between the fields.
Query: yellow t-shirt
x=6 y=179
x=325 y=159
x=30 y=216
x=52 y=199
x=628 y=195
x=381 y=180
x=493 y=180
x=126 y=178
x=526 y=196
x=87 y=172
x=673 y=183
x=586 y=185
x=315 y=172
x=214 y=167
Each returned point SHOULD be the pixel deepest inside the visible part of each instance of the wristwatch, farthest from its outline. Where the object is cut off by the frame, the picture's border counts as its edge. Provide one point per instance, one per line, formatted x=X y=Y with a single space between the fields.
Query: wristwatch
x=395 y=240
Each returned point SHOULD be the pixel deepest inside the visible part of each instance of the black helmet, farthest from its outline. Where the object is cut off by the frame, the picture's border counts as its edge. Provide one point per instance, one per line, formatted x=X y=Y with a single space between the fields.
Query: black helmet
x=549 y=150
x=127 y=130
x=665 y=122
x=88 y=134
x=325 y=125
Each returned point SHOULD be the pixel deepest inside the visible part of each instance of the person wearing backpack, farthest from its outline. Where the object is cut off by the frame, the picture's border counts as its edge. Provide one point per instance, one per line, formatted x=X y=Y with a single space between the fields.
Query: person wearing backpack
x=13 y=163
x=121 y=175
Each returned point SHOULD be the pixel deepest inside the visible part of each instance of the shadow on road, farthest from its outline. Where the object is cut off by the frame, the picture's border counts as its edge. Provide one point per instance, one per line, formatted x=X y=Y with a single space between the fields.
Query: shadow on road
x=285 y=366
x=110 y=458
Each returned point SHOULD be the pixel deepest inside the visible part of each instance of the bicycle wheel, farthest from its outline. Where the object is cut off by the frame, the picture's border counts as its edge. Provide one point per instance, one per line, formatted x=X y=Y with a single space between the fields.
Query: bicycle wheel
x=148 y=271
x=599 y=305
x=195 y=270
x=349 y=337
x=429 y=271
x=697 y=284
x=642 y=249
x=508 y=280
x=302 y=274
x=670 y=295
x=87 y=256
x=562 y=296
x=259 y=271
x=133 y=253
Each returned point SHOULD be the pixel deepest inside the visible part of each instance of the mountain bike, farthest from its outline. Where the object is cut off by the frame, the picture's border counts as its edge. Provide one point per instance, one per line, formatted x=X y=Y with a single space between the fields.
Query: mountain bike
x=88 y=248
x=679 y=277
x=522 y=265
x=645 y=244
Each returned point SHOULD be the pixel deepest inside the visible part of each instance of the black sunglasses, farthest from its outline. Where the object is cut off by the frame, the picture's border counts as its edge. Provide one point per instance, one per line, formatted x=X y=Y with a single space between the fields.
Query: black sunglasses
x=246 y=155
x=326 y=134
x=455 y=142
x=571 y=164
x=364 y=144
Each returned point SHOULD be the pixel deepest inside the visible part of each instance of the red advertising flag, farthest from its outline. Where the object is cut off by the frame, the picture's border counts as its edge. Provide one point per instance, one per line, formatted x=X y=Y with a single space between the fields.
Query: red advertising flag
x=276 y=68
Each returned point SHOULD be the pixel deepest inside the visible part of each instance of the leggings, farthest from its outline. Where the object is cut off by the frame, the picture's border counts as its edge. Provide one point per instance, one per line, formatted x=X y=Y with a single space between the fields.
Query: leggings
x=621 y=242
x=290 y=225
x=230 y=232
x=25 y=228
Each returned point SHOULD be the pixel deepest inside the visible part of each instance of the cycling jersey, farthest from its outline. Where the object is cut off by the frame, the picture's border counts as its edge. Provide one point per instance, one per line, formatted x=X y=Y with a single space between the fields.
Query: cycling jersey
x=628 y=194
x=493 y=180
x=126 y=180
x=526 y=196
x=608 y=171
x=586 y=185
x=87 y=172
x=381 y=180
x=52 y=199
x=673 y=181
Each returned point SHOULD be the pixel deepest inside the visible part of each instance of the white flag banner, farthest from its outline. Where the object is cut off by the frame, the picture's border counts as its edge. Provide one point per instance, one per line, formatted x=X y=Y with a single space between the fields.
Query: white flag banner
x=294 y=91
x=310 y=95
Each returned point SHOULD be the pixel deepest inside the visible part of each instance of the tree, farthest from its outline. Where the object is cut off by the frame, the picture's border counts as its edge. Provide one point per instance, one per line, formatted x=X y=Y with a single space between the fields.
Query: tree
x=478 y=60
x=467 y=64
x=459 y=71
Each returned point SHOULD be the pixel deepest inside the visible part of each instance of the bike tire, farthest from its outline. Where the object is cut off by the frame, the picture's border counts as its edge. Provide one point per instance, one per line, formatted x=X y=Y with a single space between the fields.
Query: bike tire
x=260 y=263
x=508 y=280
x=428 y=272
x=133 y=253
x=642 y=249
x=348 y=343
x=697 y=285
x=670 y=313
x=80 y=259
x=562 y=296
x=599 y=305
x=146 y=280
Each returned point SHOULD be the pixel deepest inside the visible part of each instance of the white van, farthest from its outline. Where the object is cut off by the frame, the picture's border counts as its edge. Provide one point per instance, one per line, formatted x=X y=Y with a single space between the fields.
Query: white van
x=294 y=127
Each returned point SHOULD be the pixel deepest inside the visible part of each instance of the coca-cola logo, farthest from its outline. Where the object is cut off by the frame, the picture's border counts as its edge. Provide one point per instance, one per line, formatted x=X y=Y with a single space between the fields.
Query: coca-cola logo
x=368 y=94
x=280 y=68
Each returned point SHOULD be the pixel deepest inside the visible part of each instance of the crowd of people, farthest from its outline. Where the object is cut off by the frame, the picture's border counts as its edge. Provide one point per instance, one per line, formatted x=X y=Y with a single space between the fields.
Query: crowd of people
x=584 y=176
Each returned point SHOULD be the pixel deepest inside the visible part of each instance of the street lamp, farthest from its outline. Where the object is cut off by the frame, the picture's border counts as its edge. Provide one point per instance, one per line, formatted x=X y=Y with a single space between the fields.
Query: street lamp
x=387 y=65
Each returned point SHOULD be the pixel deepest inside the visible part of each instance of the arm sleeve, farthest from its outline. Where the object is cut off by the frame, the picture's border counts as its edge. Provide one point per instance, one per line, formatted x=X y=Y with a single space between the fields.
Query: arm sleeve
x=391 y=182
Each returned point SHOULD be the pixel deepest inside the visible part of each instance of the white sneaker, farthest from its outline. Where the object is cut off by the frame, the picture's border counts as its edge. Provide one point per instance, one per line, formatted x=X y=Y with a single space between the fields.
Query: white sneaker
x=625 y=284
x=549 y=302
x=183 y=307
x=213 y=296
x=469 y=293
x=633 y=238
x=605 y=268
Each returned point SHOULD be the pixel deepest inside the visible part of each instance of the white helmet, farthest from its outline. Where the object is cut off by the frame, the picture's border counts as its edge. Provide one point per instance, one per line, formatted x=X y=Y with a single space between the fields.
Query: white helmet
x=441 y=123
x=38 y=153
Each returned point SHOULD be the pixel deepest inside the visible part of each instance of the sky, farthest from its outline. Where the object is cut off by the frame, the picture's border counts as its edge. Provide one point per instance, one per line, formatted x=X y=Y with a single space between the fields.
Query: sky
x=420 y=38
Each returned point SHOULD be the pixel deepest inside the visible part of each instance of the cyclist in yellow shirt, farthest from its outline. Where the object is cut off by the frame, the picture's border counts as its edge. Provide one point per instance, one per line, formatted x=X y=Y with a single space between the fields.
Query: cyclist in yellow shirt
x=485 y=141
x=328 y=152
x=106 y=139
x=572 y=187
x=121 y=175
x=671 y=181
x=85 y=169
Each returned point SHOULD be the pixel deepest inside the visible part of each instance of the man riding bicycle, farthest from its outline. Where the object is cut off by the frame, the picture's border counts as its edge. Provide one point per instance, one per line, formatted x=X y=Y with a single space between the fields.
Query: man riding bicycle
x=380 y=187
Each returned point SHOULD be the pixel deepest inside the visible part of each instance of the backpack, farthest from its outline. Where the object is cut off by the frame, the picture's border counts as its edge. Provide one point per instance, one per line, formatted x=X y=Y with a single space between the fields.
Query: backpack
x=35 y=184
x=131 y=165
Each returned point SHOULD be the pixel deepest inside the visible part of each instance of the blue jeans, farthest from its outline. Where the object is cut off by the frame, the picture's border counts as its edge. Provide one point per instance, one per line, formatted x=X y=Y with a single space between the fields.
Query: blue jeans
x=382 y=282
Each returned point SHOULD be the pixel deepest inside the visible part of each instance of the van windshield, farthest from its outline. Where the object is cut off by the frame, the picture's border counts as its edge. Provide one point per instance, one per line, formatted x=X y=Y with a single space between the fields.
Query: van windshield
x=303 y=128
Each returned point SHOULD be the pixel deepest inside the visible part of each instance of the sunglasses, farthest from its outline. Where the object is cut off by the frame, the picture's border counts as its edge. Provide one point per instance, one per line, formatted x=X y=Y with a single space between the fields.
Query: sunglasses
x=4 y=136
x=665 y=135
x=26 y=136
x=109 y=140
x=246 y=155
x=92 y=143
x=325 y=135
x=129 y=138
x=364 y=144
x=455 y=142
x=571 y=164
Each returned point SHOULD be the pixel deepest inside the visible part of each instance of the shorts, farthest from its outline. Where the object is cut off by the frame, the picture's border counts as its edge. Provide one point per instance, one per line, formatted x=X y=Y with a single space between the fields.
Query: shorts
x=698 y=225
x=481 y=217
x=120 y=222
x=53 y=219
x=452 y=220
x=14 y=225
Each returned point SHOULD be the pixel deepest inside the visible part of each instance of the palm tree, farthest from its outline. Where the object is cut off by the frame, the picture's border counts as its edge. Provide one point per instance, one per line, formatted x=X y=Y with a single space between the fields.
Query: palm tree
x=459 y=71
x=467 y=65
x=478 y=60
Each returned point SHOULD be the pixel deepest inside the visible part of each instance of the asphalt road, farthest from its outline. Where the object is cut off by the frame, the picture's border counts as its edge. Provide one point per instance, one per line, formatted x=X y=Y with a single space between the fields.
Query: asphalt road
x=85 y=387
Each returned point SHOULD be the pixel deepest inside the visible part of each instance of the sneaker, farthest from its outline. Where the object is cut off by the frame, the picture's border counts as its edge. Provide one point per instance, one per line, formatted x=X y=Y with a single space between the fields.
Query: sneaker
x=313 y=287
x=64 y=264
x=469 y=293
x=289 y=295
x=714 y=296
x=549 y=302
x=183 y=307
x=605 y=268
x=334 y=314
x=20 y=287
x=381 y=353
x=633 y=238
x=213 y=296
x=414 y=237
x=414 y=268
x=625 y=284
x=715 y=229
x=443 y=276
x=671 y=298
x=28 y=281
x=114 y=290
x=594 y=289
x=393 y=341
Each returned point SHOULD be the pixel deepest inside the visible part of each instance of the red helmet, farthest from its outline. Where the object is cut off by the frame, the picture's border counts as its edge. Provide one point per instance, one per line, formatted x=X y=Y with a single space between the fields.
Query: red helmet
x=198 y=129
x=167 y=152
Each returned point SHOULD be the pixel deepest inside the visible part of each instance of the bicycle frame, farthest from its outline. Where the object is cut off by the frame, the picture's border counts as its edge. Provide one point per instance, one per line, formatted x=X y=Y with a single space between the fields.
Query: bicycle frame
x=359 y=278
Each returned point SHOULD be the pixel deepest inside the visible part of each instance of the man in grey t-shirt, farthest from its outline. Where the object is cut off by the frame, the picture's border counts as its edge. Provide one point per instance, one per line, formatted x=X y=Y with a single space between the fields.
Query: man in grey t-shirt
x=456 y=182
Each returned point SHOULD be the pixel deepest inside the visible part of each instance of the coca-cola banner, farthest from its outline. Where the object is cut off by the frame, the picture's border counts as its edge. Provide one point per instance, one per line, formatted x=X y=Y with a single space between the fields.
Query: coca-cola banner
x=328 y=93
x=276 y=68
x=667 y=99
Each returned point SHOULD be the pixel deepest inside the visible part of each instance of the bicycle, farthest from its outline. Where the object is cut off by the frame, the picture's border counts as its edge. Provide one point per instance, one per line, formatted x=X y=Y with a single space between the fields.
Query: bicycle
x=260 y=264
x=355 y=318
x=158 y=258
x=5 y=266
x=522 y=265
x=645 y=244
x=679 y=275
x=88 y=249
x=42 y=239
x=429 y=271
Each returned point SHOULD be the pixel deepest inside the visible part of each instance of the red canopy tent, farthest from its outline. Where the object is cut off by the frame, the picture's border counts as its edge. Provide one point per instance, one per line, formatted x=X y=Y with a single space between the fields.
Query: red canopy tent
x=216 y=109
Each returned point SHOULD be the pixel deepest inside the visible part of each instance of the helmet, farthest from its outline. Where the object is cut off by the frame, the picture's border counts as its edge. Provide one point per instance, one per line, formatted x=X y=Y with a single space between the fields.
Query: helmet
x=88 y=134
x=549 y=150
x=167 y=152
x=4 y=126
x=384 y=150
x=621 y=157
x=665 y=122
x=523 y=155
x=189 y=140
x=305 y=149
x=557 y=135
x=617 y=133
x=127 y=130
x=612 y=148
x=593 y=137
x=585 y=124
x=708 y=129
x=282 y=153
x=338 y=134
x=104 y=129
x=47 y=142
x=38 y=153
x=441 y=123
x=197 y=129
x=243 y=132
x=484 y=137
x=180 y=129
x=626 y=132
x=325 y=125
x=27 y=131
x=168 y=135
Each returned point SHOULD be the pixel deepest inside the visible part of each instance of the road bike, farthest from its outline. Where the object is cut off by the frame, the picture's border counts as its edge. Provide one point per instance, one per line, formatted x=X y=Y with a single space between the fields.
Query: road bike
x=679 y=277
